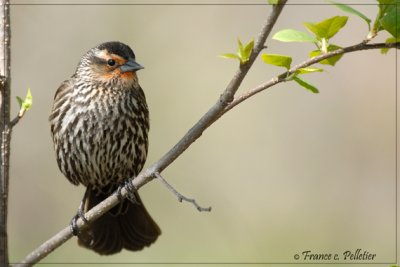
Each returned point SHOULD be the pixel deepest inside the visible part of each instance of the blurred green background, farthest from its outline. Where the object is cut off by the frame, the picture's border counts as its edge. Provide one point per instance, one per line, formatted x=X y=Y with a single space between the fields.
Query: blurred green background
x=286 y=171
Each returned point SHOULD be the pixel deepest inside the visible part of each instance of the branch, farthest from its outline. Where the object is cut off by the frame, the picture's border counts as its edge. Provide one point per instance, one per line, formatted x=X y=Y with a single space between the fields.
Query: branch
x=281 y=78
x=179 y=195
x=5 y=129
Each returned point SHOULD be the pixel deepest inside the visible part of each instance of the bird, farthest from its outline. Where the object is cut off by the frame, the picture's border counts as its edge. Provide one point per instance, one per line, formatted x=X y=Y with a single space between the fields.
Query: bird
x=99 y=125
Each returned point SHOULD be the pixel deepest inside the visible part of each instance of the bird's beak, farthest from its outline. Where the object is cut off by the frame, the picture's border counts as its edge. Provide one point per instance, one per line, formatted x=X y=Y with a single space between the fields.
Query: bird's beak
x=131 y=65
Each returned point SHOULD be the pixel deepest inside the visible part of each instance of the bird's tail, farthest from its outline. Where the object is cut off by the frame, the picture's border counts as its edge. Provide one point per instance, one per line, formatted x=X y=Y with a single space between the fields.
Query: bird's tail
x=128 y=225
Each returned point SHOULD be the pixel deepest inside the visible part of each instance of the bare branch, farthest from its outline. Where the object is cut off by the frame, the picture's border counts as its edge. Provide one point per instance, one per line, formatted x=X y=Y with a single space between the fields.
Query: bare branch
x=5 y=137
x=179 y=195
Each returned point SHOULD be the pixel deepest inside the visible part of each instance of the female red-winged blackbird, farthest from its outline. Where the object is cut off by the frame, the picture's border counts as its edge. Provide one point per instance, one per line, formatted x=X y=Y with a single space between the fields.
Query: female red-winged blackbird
x=99 y=124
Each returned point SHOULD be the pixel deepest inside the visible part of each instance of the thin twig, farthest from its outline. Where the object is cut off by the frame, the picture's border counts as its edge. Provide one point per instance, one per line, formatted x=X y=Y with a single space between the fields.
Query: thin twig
x=14 y=121
x=179 y=195
x=19 y=116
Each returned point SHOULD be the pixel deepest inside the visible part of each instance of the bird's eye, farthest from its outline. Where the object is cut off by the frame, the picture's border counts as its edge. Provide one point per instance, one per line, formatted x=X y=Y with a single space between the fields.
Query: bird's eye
x=111 y=62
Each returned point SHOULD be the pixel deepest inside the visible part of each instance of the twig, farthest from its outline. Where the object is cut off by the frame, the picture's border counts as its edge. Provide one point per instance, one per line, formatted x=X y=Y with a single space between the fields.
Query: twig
x=19 y=116
x=179 y=195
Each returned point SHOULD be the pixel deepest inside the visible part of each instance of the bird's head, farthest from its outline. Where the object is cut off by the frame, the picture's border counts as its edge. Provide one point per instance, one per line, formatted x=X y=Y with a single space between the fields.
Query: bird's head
x=111 y=62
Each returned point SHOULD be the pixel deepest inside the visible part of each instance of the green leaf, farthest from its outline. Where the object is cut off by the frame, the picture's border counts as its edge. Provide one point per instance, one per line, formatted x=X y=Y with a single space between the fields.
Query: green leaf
x=308 y=70
x=273 y=2
x=388 y=40
x=329 y=61
x=230 y=55
x=290 y=35
x=385 y=7
x=312 y=27
x=240 y=45
x=350 y=10
x=277 y=60
x=243 y=53
x=306 y=85
x=391 y=21
x=20 y=101
x=327 y=28
x=27 y=102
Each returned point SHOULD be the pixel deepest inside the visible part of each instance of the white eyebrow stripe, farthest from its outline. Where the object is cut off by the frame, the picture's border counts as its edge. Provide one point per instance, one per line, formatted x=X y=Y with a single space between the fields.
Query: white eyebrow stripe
x=106 y=55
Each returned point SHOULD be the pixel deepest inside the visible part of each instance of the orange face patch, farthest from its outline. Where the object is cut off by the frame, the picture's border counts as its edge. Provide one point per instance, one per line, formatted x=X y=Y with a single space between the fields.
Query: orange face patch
x=113 y=72
x=125 y=77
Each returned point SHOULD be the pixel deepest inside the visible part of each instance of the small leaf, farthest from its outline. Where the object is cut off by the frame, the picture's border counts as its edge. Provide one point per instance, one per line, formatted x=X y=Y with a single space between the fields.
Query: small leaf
x=388 y=40
x=312 y=27
x=329 y=61
x=350 y=10
x=273 y=2
x=25 y=104
x=243 y=53
x=308 y=70
x=277 y=60
x=327 y=28
x=20 y=101
x=306 y=85
x=336 y=24
x=240 y=45
x=290 y=35
x=230 y=55
x=28 y=100
x=248 y=49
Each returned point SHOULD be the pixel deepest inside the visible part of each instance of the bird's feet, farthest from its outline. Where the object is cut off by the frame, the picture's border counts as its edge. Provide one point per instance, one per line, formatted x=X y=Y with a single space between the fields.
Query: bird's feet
x=79 y=214
x=130 y=189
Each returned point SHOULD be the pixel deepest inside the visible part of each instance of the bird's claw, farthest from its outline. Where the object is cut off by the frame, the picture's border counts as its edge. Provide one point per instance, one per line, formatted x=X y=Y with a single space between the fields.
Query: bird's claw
x=130 y=189
x=74 y=226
